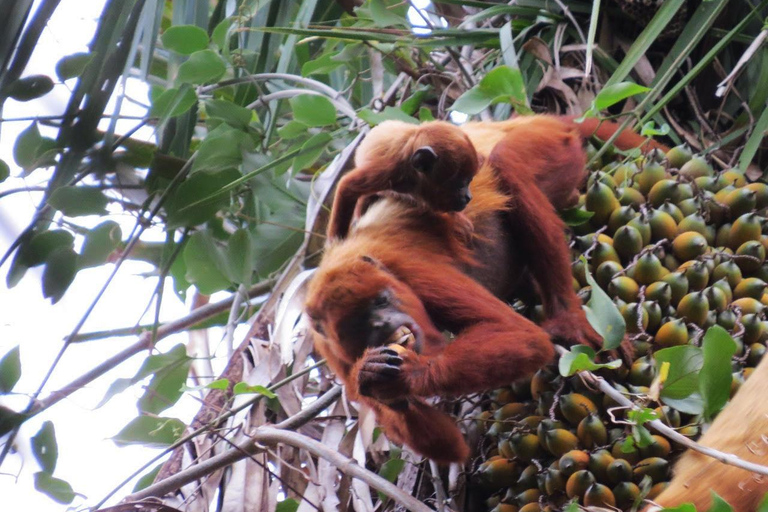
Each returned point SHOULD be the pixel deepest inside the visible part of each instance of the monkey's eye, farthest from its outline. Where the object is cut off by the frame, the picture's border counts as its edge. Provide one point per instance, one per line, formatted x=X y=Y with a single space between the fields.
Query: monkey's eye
x=382 y=300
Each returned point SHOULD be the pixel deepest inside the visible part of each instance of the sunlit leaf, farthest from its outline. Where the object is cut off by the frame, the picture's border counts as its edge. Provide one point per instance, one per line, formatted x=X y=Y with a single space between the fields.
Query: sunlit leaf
x=150 y=431
x=242 y=388
x=502 y=84
x=683 y=376
x=55 y=488
x=173 y=102
x=77 y=201
x=604 y=316
x=613 y=94
x=45 y=448
x=715 y=378
x=202 y=67
x=313 y=110
x=72 y=66
x=185 y=39
x=579 y=358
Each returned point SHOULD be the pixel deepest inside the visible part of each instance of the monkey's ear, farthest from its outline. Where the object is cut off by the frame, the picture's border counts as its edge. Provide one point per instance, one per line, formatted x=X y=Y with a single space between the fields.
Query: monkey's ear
x=423 y=159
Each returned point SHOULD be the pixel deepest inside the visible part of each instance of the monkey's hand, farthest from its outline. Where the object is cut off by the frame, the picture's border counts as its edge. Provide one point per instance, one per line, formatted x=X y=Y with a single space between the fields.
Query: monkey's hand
x=383 y=373
x=571 y=327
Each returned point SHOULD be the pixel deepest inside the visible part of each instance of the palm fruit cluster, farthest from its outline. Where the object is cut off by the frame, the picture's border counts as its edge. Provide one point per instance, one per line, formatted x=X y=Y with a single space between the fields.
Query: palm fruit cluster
x=679 y=247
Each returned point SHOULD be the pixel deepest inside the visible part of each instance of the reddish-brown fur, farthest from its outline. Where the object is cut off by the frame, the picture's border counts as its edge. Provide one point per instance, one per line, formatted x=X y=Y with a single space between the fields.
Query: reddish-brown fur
x=521 y=167
x=741 y=429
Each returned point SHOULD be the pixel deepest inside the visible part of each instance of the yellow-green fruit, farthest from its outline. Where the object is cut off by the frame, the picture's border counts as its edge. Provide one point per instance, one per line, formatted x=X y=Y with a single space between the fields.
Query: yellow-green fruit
x=761 y=194
x=746 y=228
x=598 y=464
x=679 y=155
x=554 y=481
x=601 y=201
x=505 y=449
x=606 y=271
x=624 y=288
x=727 y=320
x=579 y=271
x=723 y=235
x=696 y=167
x=560 y=441
x=573 y=461
x=505 y=507
x=626 y=493
x=696 y=273
x=756 y=353
x=648 y=269
x=717 y=298
x=734 y=177
x=660 y=292
x=497 y=473
x=603 y=178
x=689 y=431
x=748 y=306
x=531 y=507
x=635 y=317
x=503 y=396
x=630 y=196
x=592 y=432
x=619 y=217
x=706 y=183
x=693 y=308
x=655 y=467
x=668 y=416
x=527 y=496
x=672 y=210
x=642 y=372
x=689 y=245
x=641 y=224
x=657 y=489
x=689 y=206
x=654 y=314
x=671 y=334
x=660 y=447
x=649 y=176
x=527 y=477
x=603 y=252
x=578 y=483
x=619 y=471
x=663 y=225
x=599 y=495
x=750 y=287
x=624 y=173
x=525 y=446
x=728 y=270
x=632 y=456
x=740 y=201
x=693 y=222
x=678 y=284
x=664 y=190
x=627 y=242
x=752 y=256
x=541 y=382
x=483 y=421
x=575 y=407
x=753 y=328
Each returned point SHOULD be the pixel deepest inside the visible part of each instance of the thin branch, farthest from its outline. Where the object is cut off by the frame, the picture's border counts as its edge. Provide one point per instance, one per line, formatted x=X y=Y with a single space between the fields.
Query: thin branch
x=290 y=93
x=725 y=458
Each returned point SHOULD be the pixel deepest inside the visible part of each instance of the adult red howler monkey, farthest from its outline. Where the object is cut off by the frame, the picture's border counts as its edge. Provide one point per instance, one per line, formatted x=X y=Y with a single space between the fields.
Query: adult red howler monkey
x=403 y=267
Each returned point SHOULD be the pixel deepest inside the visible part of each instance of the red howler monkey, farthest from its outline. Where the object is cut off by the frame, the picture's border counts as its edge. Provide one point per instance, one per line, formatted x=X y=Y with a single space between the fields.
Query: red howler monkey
x=740 y=429
x=539 y=165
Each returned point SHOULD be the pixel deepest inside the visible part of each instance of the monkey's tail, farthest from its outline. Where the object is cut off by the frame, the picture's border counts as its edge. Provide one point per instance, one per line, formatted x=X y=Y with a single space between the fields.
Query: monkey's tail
x=626 y=140
x=428 y=431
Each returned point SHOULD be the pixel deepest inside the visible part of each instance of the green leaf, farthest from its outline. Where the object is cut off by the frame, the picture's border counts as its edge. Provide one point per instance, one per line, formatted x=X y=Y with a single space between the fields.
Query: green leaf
x=77 y=201
x=311 y=151
x=383 y=17
x=390 y=470
x=197 y=188
x=275 y=243
x=240 y=254
x=650 y=130
x=287 y=505
x=173 y=102
x=152 y=432
x=222 y=149
x=9 y=419
x=572 y=506
x=60 y=271
x=10 y=370
x=754 y=142
x=715 y=377
x=43 y=244
x=719 y=504
x=185 y=39
x=220 y=35
x=692 y=404
x=581 y=357
x=313 y=110
x=147 y=479
x=100 y=242
x=30 y=150
x=388 y=114
x=242 y=388
x=321 y=65
x=202 y=67
x=502 y=84
x=615 y=93
x=44 y=447
x=425 y=115
x=684 y=366
x=72 y=66
x=684 y=507
x=165 y=388
x=206 y=264
x=412 y=104
x=5 y=171
x=291 y=130
x=575 y=216
x=763 y=506
x=234 y=115
x=29 y=88
x=604 y=316
x=55 y=488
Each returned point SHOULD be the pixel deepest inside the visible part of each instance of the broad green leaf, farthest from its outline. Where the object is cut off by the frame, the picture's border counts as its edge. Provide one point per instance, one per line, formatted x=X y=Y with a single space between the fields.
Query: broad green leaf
x=502 y=84
x=650 y=130
x=313 y=110
x=575 y=216
x=581 y=357
x=77 y=201
x=165 y=388
x=29 y=88
x=276 y=242
x=755 y=140
x=31 y=150
x=72 y=66
x=291 y=130
x=185 y=39
x=719 y=504
x=383 y=17
x=220 y=35
x=152 y=432
x=173 y=102
x=411 y=105
x=715 y=377
x=321 y=65
x=311 y=150
x=222 y=149
x=147 y=479
x=55 y=488
x=240 y=254
x=692 y=404
x=604 y=316
x=44 y=447
x=202 y=67
x=9 y=419
x=685 y=507
x=43 y=244
x=388 y=114
x=10 y=370
x=572 y=506
x=425 y=115
x=684 y=365
x=242 y=388
x=234 y=115
x=100 y=242
x=5 y=171
x=206 y=264
x=390 y=470
x=60 y=271
x=615 y=93
x=197 y=188
x=287 y=505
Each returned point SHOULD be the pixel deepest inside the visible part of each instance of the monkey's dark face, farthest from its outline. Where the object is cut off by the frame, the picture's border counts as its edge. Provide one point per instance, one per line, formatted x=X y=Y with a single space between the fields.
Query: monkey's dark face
x=445 y=183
